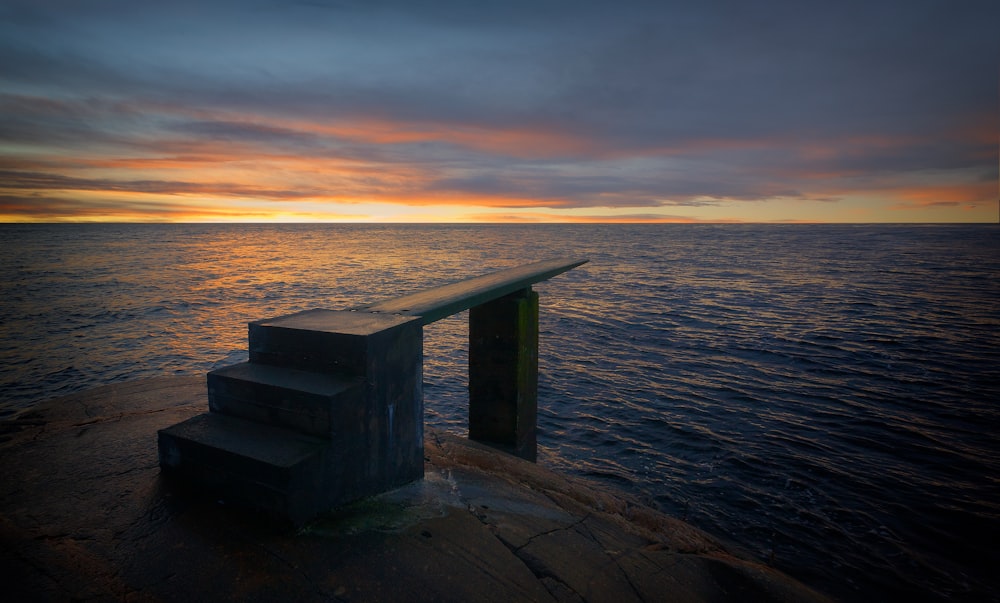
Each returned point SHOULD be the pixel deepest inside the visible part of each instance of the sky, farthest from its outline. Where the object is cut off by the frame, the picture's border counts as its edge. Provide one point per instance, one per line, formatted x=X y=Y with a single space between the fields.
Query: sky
x=520 y=111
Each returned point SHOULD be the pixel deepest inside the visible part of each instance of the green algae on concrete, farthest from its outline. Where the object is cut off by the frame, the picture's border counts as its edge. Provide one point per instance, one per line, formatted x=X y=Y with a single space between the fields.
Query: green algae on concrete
x=85 y=514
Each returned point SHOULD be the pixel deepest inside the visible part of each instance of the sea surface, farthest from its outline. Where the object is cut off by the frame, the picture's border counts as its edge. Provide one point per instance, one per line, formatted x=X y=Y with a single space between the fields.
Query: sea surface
x=824 y=397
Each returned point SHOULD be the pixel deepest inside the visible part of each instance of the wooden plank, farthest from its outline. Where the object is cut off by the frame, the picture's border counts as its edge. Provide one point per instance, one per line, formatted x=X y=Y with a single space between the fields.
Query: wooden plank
x=440 y=302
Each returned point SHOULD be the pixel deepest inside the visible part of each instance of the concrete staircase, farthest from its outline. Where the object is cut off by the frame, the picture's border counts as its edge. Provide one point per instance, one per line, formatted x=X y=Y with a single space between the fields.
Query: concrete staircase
x=328 y=410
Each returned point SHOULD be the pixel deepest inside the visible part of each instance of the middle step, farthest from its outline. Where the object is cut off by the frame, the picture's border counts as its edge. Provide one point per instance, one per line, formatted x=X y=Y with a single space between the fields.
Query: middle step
x=313 y=403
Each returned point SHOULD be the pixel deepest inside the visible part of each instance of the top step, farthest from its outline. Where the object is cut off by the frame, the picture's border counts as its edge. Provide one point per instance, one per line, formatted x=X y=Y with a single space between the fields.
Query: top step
x=329 y=341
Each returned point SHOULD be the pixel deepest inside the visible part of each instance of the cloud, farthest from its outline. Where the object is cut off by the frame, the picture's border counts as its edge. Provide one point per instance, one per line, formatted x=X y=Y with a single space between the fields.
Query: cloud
x=629 y=218
x=551 y=104
x=13 y=180
x=56 y=208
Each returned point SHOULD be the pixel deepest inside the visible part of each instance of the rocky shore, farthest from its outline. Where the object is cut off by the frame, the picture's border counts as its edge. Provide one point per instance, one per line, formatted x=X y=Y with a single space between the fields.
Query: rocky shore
x=86 y=515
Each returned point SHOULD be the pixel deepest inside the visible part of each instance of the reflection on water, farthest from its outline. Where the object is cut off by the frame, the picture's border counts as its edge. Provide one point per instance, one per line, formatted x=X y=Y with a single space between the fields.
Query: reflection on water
x=823 y=396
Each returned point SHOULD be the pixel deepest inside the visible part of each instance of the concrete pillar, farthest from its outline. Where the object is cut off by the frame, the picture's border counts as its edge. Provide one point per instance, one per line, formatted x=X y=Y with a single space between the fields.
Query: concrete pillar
x=503 y=373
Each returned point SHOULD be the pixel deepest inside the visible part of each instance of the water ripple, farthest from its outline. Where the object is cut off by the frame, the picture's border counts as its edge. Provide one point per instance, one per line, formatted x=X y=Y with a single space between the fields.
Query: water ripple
x=823 y=396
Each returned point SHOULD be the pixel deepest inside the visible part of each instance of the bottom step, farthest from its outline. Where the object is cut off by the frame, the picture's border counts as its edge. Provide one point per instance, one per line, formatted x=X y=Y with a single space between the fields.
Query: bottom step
x=247 y=463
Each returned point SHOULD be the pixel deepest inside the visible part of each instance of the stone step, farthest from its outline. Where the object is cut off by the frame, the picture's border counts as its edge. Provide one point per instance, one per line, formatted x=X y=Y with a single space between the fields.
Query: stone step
x=313 y=403
x=330 y=341
x=242 y=462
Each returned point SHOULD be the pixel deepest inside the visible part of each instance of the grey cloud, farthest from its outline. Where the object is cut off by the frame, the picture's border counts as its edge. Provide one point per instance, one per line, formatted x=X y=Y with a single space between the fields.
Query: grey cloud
x=659 y=72
x=643 y=79
x=23 y=180
x=813 y=71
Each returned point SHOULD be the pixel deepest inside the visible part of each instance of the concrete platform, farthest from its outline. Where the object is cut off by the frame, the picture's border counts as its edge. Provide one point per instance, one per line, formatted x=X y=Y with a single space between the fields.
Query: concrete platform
x=85 y=514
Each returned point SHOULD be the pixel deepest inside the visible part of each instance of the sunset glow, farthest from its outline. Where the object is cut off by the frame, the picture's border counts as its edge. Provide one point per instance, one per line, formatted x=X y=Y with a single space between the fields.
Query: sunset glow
x=341 y=113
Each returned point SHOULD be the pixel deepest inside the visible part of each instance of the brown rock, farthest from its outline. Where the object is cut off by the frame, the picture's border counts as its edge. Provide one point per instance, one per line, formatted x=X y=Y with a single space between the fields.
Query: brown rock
x=85 y=514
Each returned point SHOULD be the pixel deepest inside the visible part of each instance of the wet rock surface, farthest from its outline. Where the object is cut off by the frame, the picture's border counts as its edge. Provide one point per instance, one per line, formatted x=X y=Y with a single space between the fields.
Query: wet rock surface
x=85 y=514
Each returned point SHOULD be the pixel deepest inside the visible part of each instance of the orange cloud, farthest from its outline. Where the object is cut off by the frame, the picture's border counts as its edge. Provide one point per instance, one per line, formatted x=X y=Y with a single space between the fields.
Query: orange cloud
x=527 y=142
x=971 y=194
x=982 y=129
x=588 y=219
x=231 y=166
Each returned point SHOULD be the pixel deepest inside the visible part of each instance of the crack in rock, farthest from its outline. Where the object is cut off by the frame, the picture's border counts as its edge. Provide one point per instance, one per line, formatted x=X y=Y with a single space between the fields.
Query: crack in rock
x=612 y=557
x=560 y=590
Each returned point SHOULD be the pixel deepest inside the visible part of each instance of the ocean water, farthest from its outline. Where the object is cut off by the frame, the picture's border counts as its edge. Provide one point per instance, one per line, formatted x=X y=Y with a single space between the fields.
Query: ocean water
x=824 y=397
